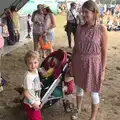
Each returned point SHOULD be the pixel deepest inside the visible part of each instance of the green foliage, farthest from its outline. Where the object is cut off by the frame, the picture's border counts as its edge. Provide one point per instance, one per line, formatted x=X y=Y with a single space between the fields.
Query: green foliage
x=108 y=1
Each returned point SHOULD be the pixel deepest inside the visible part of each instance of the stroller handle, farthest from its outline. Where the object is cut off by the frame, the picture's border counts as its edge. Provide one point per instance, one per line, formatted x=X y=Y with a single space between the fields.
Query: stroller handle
x=69 y=55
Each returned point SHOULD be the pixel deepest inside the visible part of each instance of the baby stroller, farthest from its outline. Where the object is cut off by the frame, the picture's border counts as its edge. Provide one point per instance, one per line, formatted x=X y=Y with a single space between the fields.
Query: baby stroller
x=52 y=90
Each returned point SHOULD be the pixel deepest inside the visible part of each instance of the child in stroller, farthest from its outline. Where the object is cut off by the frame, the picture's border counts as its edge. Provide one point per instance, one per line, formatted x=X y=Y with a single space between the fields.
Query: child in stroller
x=56 y=79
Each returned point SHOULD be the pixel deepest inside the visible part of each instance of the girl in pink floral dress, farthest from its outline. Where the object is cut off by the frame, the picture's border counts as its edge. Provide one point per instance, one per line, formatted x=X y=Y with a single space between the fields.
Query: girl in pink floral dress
x=89 y=57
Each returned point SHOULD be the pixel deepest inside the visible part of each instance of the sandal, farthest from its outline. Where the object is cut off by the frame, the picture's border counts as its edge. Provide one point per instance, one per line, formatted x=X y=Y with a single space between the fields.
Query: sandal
x=67 y=106
x=75 y=115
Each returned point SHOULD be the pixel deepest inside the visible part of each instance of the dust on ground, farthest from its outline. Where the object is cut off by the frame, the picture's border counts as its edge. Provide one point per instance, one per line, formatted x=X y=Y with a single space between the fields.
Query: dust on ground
x=13 y=69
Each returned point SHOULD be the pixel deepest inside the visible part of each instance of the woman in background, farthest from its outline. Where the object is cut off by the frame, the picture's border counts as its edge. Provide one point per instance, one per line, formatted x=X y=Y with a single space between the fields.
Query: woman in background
x=38 y=26
x=16 y=23
x=10 y=26
x=49 y=25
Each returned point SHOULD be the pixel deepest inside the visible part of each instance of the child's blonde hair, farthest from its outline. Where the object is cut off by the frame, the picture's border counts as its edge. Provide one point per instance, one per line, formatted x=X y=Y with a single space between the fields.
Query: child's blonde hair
x=31 y=55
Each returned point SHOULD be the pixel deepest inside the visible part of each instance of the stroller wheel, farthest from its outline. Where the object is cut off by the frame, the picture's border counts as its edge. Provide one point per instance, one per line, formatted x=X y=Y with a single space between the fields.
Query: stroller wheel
x=67 y=106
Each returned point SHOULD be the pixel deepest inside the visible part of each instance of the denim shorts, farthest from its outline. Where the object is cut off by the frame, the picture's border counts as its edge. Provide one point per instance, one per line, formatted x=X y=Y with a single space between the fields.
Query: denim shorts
x=50 y=36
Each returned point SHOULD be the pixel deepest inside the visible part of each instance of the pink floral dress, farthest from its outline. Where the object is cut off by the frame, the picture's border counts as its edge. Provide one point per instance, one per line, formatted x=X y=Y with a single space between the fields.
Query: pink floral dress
x=86 y=61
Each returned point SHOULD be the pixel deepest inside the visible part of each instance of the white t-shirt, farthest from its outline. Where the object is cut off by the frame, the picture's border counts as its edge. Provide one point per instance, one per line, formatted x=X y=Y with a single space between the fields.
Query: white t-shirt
x=30 y=22
x=70 y=15
x=32 y=84
x=48 y=23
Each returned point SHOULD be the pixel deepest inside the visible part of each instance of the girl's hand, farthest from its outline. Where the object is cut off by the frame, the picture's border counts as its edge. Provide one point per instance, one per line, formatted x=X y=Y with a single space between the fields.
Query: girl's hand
x=103 y=76
x=44 y=33
x=36 y=106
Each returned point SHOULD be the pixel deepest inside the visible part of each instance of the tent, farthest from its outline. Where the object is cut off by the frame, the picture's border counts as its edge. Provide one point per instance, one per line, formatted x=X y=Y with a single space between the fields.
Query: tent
x=8 y=3
x=32 y=5
x=27 y=6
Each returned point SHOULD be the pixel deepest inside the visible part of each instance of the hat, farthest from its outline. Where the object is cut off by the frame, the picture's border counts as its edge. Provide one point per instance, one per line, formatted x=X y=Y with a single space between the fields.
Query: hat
x=44 y=6
x=40 y=5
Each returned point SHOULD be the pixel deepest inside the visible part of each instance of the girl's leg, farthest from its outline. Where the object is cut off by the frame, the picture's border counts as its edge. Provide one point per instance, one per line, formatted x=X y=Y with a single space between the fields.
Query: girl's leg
x=79 y=96
x=36 y=41
x=79 y=102
x=36 y=47
x=69 y=38
x=18 y=36
x=50 y=36
x=43 y=54
x=95 y=105
x=69 y=31
x=74 y=34
x=51 y=49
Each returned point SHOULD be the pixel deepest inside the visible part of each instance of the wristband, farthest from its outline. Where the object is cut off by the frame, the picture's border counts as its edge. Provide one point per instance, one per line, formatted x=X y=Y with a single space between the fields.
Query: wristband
x=31 y=101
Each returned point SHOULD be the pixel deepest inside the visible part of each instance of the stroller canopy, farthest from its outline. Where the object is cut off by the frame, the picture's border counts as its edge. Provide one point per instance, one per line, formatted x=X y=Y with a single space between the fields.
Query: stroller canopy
x=61 y=56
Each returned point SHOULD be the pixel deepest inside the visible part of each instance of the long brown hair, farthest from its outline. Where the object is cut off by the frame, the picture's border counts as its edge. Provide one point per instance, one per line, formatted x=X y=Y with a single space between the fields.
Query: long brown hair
x=92 y=6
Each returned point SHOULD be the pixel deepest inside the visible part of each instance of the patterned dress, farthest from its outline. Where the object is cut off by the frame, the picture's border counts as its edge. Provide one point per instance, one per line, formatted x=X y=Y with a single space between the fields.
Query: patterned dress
x=86 y=61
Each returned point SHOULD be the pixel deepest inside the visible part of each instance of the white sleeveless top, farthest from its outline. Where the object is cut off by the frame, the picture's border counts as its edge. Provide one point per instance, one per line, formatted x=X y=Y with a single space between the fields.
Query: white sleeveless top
x=48 y=23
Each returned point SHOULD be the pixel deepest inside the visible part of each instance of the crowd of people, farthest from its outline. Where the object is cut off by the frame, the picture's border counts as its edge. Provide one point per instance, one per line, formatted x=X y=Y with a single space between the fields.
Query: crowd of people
x=112 y=16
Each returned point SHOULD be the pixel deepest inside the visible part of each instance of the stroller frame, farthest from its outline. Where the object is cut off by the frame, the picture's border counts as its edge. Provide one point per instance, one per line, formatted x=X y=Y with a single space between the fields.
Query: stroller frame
x=47 y=96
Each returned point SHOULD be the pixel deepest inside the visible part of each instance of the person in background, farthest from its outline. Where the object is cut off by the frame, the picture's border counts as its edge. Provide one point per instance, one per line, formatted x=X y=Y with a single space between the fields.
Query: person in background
x=5 y=32
x=117 y=10
x=110 y=24
x=49 y=25
x=101 y=9
x=105 y=8
x=29 y=26
x=79 y=17
x=59 y=11
x=71 y=22
x=38 y=26
x=10 y=26
x=89 y=58
x=16 y=23
x=116 y=24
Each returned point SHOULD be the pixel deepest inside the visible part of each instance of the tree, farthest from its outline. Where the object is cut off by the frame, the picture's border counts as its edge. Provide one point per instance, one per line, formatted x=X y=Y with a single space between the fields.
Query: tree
x=113 y=2
x=118 y=1
x=108 y=1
